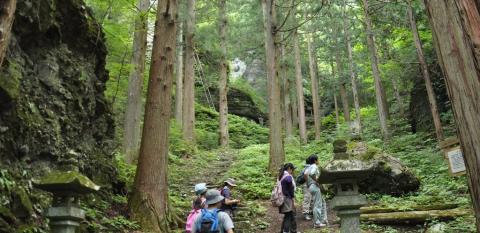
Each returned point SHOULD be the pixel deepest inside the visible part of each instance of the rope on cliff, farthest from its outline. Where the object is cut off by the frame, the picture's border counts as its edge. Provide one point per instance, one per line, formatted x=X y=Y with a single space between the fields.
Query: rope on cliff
x=201 y=75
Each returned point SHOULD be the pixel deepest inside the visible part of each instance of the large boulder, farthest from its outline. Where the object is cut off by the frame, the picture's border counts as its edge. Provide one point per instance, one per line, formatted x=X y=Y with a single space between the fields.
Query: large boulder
x=389 y=175
x=240 y=103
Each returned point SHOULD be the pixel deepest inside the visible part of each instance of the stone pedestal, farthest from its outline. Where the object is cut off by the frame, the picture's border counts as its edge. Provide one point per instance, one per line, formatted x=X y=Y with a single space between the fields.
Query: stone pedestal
x=348 y=209
x=65 y=219
x=347 y=203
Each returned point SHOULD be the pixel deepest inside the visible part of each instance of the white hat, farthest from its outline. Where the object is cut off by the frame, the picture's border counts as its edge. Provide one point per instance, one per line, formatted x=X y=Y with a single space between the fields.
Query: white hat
x=200 y=188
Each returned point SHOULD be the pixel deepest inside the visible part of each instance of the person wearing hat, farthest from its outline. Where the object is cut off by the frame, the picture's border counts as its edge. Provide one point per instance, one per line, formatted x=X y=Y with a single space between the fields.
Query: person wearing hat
x=229 y=204
x=199 y=201
x=217 y=219
x=285 y=176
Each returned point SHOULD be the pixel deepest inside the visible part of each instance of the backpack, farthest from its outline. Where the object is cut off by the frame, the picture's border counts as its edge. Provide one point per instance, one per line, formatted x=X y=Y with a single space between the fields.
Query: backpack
x=301 y=178
x=208 y=222
x=191 y=219
x=277 y=197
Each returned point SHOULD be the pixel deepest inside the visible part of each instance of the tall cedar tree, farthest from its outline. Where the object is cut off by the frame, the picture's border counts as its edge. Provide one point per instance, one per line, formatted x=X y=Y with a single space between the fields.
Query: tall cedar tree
x=456 y=31
x=341 y=85
x=179 y=76
x=299 y=84
x=149 y=200
x=7 y=15
x=379 y=91
x=426 y=76
x=223 y=81
x=287 y=106
x=131 y=138
x=353 y=76
x=277 y=153
x=188 y=124
x=312 y=62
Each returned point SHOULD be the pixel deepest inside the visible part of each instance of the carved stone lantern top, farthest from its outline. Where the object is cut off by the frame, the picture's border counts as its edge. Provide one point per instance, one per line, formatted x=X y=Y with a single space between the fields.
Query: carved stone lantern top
x=69 y=183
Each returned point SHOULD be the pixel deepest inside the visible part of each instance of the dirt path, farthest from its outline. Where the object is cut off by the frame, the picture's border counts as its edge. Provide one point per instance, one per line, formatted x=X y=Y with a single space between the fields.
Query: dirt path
x=275 y=221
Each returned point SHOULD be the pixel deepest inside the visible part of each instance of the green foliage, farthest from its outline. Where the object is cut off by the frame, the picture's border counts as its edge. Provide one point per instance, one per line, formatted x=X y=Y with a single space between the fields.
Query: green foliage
x=245 y=87
x=242 y=132
x=126 y=172
x=177 y=145
x=250 y=166
x=6 y=181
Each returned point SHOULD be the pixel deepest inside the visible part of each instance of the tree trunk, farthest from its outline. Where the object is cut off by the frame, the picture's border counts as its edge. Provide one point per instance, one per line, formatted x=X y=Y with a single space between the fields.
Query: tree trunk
x=223 y=88
x=299 y=84
x=353 y=76
x=335 y=101
x=286 y=94
x=315 y=98
x=149 y=200
x=336 y=109
x=426 y=75
x=345 y=104
x=179 y=76
x=343 y=91
x=379 y=92
x=456 y=29
x=293 y=101
x=188 y=124
x=131 y=137
x=7 y=15
x=398 y=97
x=277 y=153
x=413 y=217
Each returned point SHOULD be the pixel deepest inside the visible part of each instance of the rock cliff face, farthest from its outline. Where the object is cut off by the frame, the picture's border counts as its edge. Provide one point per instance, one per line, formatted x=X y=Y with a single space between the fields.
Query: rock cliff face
x=52 y=84
x=52 y=106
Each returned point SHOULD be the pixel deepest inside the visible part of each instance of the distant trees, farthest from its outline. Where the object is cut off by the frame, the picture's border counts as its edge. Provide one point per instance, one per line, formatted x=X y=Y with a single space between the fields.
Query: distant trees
x=456 y=29
x=131 y=137
x=188 y=120
x=277 y=153
x=7 y=14
x=149 y=199
x=223 y=80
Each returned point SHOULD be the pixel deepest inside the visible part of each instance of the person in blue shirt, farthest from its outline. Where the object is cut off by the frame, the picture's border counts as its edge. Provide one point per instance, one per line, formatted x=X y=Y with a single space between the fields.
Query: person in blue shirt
x=229 y=204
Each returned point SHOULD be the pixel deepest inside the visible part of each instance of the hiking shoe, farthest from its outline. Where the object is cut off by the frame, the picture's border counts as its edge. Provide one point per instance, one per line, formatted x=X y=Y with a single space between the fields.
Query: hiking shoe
x=307 y=217
x=319 y=225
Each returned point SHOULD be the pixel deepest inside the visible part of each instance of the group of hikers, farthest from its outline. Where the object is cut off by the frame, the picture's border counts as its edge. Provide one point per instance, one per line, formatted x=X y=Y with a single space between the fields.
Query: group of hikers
x=213 y=209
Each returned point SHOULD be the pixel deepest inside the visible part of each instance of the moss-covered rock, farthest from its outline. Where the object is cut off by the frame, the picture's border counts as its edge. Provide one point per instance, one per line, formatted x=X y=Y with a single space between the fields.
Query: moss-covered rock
x=240 y=103
x=66 y=182
x=390 y=175
x=22 y=205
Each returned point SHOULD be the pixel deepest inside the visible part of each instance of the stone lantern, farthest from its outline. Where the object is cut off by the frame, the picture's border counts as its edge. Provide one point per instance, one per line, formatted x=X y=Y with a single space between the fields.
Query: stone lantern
x=345 y=173
x=65 y=215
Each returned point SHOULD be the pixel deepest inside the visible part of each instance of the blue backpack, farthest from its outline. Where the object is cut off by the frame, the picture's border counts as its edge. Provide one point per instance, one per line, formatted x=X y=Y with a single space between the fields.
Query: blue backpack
x=208 y=222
